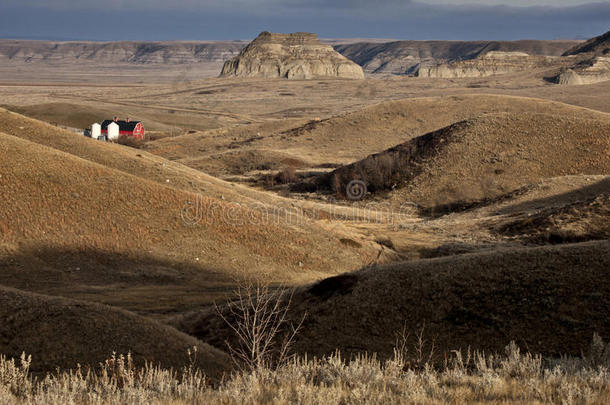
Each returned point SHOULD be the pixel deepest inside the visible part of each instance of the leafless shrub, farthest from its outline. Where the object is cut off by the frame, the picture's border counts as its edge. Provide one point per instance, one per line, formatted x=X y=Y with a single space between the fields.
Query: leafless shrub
x=416 y=355
x=519 y=365
x=599 y=353
x=259 y=319
x=286 y=176
x=131 y=142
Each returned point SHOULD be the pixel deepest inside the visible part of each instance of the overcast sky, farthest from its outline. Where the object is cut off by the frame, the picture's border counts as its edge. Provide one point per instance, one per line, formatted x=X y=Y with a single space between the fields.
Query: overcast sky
x=244 y=19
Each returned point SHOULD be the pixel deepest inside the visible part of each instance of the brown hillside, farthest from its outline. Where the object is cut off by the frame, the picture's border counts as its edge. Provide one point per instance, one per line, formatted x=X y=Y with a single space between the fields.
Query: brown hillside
x=348 y=137
x=58 y=332
x=579 y=221
x=72 y=115
x=148 y=166
x=549 y=300
x=88 y=231
x=483 y=158
x=563 y=209
x=138 y=163
x=598 y=46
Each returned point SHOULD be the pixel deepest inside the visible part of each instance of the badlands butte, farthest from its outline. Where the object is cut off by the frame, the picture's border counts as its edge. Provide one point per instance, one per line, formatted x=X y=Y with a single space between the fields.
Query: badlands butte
x=480 y=215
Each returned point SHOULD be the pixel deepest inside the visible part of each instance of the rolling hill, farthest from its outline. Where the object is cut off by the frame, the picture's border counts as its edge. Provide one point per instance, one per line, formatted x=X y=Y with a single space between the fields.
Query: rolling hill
x=344 y=138
x=63 y=333
x=483 y=157
x=113 y=224
x=549 y=300
x=597 y=46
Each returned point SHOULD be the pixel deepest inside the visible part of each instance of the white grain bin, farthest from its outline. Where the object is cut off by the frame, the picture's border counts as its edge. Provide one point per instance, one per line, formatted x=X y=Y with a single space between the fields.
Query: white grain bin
x=96 y=130
x=113 y=131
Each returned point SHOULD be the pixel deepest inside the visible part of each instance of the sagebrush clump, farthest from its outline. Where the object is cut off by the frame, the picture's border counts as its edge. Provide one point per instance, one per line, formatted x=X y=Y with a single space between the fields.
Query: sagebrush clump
x=511 y=378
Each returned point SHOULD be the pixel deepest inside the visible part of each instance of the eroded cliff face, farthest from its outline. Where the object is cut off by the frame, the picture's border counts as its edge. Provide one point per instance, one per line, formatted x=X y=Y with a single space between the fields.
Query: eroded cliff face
x=405 y=57
x=586 y=64
x=590 y=71
x=291 y=56
x=177 y=52
x=593 y=63
x=489 y=64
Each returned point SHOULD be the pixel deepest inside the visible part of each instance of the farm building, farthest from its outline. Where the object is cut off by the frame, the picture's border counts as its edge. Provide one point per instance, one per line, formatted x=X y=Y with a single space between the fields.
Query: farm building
x=96 y=131
x=133 y=129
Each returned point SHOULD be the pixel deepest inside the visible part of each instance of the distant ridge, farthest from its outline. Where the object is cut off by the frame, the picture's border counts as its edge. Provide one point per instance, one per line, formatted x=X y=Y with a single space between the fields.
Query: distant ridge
x=599 y=46
x=405 y=57
x=374 y=55
x=138 y=52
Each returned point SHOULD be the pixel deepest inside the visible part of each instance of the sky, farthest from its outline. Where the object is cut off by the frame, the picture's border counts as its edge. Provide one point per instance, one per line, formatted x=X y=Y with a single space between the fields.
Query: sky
x=157 y=20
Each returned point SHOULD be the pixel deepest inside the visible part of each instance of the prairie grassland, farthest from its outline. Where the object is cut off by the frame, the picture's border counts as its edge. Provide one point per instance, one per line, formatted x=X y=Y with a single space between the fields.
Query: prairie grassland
x=511 y=378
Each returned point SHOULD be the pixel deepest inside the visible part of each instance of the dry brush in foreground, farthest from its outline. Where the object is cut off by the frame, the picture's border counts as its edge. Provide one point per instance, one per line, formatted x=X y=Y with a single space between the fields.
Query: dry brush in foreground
x=514 y=378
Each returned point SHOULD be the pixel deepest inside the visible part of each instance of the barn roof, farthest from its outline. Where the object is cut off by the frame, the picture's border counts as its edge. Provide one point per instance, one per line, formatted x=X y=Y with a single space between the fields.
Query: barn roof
x=123 y=125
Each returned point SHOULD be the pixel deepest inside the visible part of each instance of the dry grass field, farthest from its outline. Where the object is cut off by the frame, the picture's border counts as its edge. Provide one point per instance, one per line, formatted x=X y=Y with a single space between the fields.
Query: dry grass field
x=511 y=377
x=486 y=221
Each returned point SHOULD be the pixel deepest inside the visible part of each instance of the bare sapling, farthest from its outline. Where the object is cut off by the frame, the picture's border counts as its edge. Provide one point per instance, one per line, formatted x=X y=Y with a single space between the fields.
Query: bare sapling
x=258 y=317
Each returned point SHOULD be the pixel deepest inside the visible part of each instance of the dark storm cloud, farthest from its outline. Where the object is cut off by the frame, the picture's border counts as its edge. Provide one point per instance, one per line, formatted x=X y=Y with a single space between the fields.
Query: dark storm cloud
x=271 y=4
x=267 y=5
x=230 y=19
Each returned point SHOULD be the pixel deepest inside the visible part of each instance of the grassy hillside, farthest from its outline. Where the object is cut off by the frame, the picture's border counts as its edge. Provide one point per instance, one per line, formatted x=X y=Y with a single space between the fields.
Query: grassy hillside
x=483 y=157
x=63 y=333
x=549 y=300
x=347 y=137
x=598 y=46
x=72 y=115
x=91 y=231
x=581 y=220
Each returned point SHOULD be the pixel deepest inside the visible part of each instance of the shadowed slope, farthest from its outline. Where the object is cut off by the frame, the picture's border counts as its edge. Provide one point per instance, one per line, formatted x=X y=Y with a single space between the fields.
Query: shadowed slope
x=580 y=215
x=58 y=332
x=550 y=300
x=598 y=46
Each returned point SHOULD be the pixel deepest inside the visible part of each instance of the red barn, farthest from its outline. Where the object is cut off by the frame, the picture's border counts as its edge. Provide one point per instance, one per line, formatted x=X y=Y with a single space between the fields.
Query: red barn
x=130 y=128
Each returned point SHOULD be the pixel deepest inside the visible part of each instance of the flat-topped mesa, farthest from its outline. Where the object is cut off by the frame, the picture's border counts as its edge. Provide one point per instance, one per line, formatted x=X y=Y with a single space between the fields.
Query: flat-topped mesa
x=488 y=64
x=504 y=55
x=297 y=38
x=292 y=56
